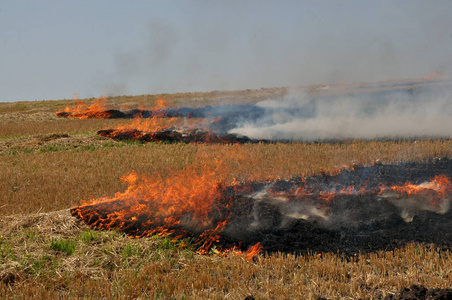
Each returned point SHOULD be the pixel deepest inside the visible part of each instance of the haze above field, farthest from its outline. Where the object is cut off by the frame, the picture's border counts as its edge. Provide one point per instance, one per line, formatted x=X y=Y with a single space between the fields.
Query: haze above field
x=52 y=50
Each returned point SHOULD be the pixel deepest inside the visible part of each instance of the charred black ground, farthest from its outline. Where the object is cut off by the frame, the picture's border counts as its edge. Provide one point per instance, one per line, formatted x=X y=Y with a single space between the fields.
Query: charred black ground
x=414 y=292
x=230 y=114
x=421 y=293
x=178 y=135
x=355 y=223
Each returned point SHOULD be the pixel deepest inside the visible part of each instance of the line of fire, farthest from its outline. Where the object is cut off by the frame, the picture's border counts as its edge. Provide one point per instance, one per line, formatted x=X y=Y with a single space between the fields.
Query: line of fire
x=354 y=209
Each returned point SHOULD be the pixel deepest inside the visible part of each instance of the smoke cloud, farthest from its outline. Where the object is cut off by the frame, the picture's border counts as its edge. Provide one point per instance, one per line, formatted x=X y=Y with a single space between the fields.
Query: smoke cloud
x=254 y=44
x=412 y=113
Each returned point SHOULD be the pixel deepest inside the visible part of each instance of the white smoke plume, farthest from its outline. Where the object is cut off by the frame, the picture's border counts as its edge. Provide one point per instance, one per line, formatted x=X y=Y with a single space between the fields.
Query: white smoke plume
x=410 y=113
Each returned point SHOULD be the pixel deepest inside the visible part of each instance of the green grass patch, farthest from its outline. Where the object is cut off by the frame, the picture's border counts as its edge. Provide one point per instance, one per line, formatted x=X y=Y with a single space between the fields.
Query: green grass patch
x=62 y=245
x=130 y=249
x=53 y=148
x=41 y=264
x=167 y=244
x=88 y=236
x=6 y=251
x=31 y=235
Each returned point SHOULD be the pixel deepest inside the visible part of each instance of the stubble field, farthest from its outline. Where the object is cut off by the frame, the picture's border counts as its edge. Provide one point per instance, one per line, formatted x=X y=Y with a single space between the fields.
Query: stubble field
x=49 y=165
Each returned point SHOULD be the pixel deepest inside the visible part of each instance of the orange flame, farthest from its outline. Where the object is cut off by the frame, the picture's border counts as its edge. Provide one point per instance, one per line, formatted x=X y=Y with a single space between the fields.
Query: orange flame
x=436 y=74
x=430 y=195
x=98 y=110
x=146 y=125
x=192 y=201
x=434 y=191
x=249 y=254
x=188 y=200
x=148 y=129
x=253 y=251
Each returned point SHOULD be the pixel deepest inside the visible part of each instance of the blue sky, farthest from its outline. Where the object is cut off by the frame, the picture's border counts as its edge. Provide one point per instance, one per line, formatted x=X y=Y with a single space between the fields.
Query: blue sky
x=55 y=49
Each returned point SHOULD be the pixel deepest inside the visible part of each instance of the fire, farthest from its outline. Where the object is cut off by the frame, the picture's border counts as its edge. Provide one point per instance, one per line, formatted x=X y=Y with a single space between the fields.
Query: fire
x=146 y=128
x=436 y=74
x=253 y=251
x=147 y=125
x=101 y=110
x=179 y=200
x=160 y=128
x=202 y=202
x=172 y=134
x=329 y=194
x=314 y=201
x=431 y=196
x=440 y=185
x=98 y=110
x=436 y=189
x=160 y=107
x=187 y=202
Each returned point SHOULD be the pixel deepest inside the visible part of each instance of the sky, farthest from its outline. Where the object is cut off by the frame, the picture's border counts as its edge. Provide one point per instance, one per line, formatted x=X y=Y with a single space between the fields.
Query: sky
x=53 y=50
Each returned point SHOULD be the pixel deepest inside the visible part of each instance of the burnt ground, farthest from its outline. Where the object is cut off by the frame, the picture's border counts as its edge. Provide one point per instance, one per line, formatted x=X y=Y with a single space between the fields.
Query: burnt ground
x=346 y=223
x=416 y=292
x=106 y=114
x=174 y=135
x=355 y=223
x=229 y=113
x=420 y=292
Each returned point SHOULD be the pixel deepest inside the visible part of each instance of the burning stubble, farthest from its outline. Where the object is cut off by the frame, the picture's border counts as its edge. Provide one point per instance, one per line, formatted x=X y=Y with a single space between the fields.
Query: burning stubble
x=410 y=109
x=349 y=211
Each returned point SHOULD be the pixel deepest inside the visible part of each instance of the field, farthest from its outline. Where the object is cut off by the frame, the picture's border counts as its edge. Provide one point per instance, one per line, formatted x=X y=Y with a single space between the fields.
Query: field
x=49 y=165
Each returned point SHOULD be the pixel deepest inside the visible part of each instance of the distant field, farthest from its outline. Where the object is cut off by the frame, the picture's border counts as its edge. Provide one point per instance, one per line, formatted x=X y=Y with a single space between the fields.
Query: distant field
x=49 y=165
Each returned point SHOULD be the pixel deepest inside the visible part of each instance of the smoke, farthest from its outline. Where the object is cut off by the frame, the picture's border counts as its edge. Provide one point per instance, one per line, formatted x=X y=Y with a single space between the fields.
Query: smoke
x=410 y=206
x=411 y=113
x=246 y=45
x=288 y=209
x=362 y=203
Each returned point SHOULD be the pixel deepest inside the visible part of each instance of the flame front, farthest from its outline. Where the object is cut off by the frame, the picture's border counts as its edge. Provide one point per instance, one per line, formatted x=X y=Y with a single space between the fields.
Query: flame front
x=196 y=202
x=188 y=203
x=98 y=110
x=157 y=126
x=430 y=196
x=435 y=189
x=310 y=201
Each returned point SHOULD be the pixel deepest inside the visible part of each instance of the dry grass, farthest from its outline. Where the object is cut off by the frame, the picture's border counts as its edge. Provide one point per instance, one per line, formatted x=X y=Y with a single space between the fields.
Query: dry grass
x=19 y=119
x=48 y=165
x=27 y=128
x=106 y=265
x=56 y=176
